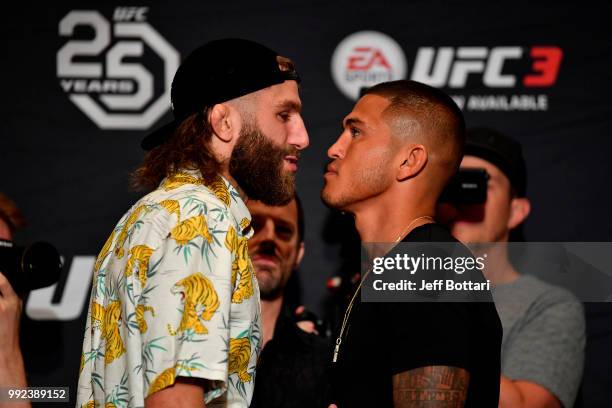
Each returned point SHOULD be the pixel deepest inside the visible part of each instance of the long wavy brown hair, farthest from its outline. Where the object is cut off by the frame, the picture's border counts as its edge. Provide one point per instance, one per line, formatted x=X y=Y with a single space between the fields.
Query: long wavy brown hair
x=188 y=148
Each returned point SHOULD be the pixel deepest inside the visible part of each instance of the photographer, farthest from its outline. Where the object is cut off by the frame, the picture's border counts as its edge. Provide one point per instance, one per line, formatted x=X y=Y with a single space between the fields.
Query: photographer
x=12 y=372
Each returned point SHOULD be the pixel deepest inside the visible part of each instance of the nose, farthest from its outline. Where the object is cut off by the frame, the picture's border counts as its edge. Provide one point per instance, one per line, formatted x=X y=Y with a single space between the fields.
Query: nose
x=299 y=136
x=266 y=233
x=263 y=237
x=337 y=150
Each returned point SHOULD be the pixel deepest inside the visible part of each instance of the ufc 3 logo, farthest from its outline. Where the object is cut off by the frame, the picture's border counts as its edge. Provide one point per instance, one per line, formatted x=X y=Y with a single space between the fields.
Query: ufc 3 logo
x=103 y=75
x=448 y=66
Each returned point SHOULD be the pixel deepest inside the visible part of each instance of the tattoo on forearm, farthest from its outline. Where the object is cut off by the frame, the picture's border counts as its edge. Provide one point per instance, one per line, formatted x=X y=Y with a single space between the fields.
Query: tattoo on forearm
x=431 y=387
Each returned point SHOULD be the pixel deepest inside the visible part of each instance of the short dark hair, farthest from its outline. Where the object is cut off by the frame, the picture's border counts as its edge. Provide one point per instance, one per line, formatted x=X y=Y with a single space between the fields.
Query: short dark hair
x=300 y=218
x=11 y=214
x=434 y=109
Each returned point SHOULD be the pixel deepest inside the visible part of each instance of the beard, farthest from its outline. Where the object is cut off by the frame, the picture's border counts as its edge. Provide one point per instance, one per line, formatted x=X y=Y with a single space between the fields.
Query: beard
x=368 y=182
x=271 y=284
x=272 y=279
x=256 y=164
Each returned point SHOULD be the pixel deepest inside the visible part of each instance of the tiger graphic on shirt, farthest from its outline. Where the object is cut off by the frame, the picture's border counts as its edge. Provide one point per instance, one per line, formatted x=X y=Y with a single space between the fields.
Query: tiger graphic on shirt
x=140 y=311
x=104 y=251
x=173 y=207
x=139 y=262
x=198 y=293
x=129 y=223
x=167 y=377
x=239 y=356
x=108 y=319
x=189 y=229
x=220 y=189
x=177 y=180
x=241 y=264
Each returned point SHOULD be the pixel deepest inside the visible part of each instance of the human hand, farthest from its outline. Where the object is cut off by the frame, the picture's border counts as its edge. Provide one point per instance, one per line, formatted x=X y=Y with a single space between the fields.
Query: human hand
x=12 y=371
x=10 y=315
x=305 y=325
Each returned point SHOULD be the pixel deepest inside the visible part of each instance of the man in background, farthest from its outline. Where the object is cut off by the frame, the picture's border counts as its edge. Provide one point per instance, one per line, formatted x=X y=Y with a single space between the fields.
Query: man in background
x=291 y=371
x=544 y=328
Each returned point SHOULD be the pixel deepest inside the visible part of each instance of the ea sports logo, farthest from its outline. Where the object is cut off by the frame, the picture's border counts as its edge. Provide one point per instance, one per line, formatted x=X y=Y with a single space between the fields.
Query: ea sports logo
x=364 y=59
x=105 y=75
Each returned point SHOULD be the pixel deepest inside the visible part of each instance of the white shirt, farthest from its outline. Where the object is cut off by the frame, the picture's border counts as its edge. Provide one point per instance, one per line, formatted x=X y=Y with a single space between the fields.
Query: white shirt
x=174 y=294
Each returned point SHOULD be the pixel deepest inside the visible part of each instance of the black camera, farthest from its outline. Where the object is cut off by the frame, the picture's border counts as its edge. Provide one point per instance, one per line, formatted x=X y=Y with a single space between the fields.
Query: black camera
x=29 y=267
x=468 y=186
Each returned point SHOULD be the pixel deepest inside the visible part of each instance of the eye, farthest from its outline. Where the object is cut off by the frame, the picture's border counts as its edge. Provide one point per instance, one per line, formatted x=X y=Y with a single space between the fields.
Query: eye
x=283 y=116
x=257 y=224
x=354 y=131
x=285 y=233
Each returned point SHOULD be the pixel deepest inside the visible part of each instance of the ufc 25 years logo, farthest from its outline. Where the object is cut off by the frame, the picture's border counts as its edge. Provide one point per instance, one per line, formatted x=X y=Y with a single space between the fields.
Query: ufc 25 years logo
x=105 y=77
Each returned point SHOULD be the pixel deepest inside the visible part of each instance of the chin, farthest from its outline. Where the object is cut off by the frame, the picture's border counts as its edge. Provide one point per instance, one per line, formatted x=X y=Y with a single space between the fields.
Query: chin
x=466 y=237
x=328 y=199
x=269 y=290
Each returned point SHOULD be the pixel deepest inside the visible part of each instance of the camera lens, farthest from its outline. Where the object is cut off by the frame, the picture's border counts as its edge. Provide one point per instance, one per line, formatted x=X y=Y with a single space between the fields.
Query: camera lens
x=41 y=265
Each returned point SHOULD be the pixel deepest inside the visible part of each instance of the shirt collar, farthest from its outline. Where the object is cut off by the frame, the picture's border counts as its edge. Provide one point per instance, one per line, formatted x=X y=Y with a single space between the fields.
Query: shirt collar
x=223 y=189
x=239 y=209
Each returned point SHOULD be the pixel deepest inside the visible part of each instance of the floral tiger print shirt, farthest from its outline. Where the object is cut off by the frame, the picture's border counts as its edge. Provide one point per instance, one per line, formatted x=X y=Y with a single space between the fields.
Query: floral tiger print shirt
x=174 y=294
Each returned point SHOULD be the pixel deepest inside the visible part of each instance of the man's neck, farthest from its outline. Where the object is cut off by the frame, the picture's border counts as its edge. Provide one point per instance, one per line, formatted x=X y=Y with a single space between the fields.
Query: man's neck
x=498 y=268
x=386 y=219
x=226 y=174
x=270 y=310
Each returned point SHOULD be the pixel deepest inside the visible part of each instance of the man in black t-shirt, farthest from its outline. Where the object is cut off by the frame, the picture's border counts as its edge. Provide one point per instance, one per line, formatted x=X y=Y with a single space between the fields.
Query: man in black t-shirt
x=292 y=367
x=400 y=145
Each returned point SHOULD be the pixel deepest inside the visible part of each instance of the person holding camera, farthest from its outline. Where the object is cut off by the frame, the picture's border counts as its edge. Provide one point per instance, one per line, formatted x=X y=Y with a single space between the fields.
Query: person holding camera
x=12 y=371
x=544 y=326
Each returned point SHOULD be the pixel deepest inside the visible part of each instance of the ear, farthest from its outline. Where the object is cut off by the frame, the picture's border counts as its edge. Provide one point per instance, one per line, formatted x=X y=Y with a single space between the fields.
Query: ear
x=413 y=159
x=222 y=123
x=300 y=255
x=519 y=210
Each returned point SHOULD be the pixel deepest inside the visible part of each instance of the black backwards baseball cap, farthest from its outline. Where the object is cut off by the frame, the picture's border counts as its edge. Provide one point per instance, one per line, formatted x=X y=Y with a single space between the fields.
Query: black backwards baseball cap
x=502 y=151
x=217 y=72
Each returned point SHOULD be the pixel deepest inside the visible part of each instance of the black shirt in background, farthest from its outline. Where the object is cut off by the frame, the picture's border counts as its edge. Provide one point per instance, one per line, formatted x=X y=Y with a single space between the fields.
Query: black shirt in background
x=384 y=339
x=292 y=370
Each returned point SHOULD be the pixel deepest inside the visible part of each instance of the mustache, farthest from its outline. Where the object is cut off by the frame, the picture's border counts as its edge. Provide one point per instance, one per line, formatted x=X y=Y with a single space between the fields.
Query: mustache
x=268 y=250
x=291 y=151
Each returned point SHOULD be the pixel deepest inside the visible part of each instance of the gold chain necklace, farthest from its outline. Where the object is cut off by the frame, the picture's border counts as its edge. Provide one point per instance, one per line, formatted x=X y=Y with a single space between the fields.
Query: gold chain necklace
x=347 y=314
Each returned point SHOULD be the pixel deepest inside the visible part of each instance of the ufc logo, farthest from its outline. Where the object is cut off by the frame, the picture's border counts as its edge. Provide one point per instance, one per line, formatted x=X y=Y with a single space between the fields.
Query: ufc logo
x=366 y=58
x=130 y=14
x=451 y=67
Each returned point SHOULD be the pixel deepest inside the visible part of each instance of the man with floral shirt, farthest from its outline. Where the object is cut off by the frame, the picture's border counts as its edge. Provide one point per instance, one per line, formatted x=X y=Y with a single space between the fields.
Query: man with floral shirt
x=174 y=317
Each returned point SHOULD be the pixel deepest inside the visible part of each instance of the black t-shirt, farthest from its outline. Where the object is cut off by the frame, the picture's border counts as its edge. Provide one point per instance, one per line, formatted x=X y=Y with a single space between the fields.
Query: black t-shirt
x=384 y=339
x=292 y=371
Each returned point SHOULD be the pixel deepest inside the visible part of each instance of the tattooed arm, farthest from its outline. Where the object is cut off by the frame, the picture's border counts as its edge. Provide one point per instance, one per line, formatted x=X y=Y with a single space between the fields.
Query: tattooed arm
x=431 y=387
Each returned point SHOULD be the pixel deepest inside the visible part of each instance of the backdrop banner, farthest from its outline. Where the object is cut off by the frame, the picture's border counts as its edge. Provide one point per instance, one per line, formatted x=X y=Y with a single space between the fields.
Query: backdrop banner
x=86 y=81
